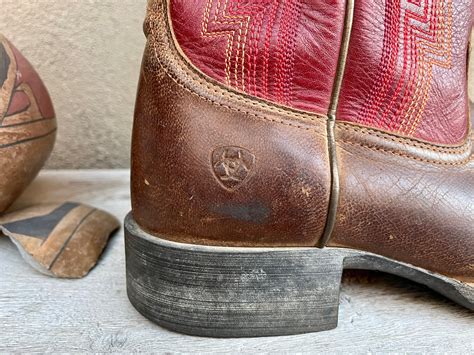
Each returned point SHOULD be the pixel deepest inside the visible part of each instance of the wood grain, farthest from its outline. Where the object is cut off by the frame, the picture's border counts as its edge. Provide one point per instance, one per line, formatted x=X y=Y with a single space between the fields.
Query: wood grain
x=378 y=312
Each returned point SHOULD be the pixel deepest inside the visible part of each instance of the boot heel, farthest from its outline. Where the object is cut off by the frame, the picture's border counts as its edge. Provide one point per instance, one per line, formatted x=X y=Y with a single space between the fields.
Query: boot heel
x=232 y=292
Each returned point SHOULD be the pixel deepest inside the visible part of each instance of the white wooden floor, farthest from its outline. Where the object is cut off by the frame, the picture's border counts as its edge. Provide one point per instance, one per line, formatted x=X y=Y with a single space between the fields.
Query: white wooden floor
x=378 y=313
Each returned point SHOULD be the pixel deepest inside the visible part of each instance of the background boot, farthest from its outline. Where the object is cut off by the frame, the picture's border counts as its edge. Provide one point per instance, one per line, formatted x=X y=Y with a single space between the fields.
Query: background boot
x=278 y=142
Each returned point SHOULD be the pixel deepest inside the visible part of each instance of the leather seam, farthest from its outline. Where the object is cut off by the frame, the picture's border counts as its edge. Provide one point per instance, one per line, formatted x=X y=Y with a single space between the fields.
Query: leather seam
x=226 y=94
x=408 y=141
x=228 y=107
x=183 y=63
x=431 y=161
x=335 y=167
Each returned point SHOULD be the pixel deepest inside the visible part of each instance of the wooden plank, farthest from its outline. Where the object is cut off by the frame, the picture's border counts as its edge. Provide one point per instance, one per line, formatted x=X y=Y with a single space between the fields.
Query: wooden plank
x=378 y=313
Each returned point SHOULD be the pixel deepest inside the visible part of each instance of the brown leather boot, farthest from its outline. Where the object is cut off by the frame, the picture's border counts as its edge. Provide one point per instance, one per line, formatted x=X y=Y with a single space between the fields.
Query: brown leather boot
x=278 y=142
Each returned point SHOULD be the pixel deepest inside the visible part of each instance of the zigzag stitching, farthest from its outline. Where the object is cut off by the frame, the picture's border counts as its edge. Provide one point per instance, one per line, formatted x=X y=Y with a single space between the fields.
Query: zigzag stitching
x=410 y=37
x=230 y=34
x=257 y=11
x=423 y=48
x=286 y=50
x=387 y=65
x=438 y=43
x=257 y=28
x=267 y=44
x=243 y=21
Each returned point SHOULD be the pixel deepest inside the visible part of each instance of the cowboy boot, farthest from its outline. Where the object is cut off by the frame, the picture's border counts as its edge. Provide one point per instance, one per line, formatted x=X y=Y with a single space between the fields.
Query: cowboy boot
x=277 y=143
x=63 y=239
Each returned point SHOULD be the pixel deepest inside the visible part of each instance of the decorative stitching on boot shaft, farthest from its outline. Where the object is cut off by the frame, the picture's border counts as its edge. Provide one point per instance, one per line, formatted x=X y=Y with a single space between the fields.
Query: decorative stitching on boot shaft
x=227 y=93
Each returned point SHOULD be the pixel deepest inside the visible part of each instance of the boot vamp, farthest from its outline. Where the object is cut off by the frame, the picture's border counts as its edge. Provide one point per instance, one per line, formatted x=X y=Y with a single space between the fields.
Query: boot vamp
x=407 y=200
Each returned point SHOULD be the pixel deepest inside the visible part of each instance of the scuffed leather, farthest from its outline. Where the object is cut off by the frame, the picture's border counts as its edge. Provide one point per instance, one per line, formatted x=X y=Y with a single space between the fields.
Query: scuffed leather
x=289 y=49
x=181 y=120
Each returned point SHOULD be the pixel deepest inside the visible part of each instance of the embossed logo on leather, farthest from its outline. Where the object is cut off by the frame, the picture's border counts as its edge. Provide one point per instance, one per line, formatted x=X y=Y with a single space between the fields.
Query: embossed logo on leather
x=232 y=165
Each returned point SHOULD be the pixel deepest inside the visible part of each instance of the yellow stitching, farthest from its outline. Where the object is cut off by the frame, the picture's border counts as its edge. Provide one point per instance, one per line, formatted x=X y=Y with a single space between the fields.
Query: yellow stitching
x=408 y=141
x=177 y=82
x=447 y=64
x=404 y=155
x=230 y=36
x=225 y=92
x=228 y=94
x=231 y=95
x=183 y=86
x=443 y=47
x=235 y=20
x=427 y=47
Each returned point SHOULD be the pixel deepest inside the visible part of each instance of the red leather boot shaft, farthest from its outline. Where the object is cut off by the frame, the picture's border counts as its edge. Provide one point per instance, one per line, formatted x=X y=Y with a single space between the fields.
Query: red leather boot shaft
x=283 y=51
x=406 y=68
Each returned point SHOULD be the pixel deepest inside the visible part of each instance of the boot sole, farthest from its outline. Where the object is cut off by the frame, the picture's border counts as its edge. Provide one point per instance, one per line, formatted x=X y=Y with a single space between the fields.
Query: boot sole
x=249 y=292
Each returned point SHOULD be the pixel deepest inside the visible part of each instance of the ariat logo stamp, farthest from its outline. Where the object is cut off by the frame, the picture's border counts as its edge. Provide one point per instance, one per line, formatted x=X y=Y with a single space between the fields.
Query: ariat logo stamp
x=232 y=165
